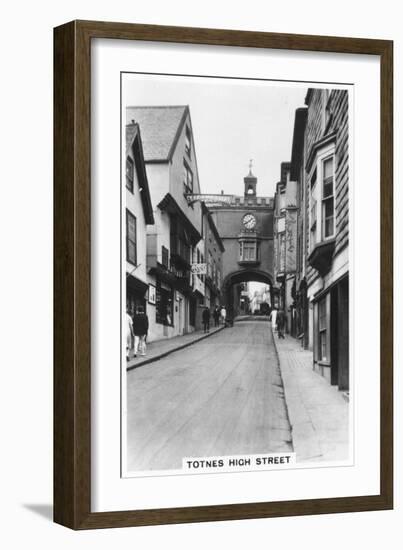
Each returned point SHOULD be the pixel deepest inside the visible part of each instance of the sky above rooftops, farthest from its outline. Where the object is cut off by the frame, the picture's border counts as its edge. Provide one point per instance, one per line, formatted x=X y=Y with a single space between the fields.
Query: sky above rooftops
x=233 y=121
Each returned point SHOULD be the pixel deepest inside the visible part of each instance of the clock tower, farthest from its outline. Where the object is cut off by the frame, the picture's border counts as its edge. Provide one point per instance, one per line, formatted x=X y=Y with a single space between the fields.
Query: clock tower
x=250 y=182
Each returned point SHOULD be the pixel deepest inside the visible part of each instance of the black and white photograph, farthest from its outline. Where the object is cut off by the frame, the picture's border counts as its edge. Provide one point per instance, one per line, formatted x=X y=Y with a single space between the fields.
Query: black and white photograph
x=235 y=230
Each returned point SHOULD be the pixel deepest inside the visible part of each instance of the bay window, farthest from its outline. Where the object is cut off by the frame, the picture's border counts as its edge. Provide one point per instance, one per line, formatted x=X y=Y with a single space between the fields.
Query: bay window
x=328 y=197
x=322 y=197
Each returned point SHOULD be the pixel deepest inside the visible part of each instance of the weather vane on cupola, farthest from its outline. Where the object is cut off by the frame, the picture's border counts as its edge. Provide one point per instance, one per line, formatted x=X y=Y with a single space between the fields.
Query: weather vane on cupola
x=250 y=182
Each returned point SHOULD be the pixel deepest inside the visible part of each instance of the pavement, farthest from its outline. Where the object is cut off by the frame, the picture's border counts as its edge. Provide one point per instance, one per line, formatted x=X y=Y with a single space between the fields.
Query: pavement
x=220 y=396
x=161 y=348
x=318 y=412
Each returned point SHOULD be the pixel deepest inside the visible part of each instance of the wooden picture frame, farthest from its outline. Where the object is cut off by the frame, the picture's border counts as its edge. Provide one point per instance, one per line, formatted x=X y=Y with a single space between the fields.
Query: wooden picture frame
x=72 y=274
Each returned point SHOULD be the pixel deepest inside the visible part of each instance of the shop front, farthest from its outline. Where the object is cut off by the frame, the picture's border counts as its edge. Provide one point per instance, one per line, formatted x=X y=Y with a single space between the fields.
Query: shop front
x=331 y=340
x=136 y=294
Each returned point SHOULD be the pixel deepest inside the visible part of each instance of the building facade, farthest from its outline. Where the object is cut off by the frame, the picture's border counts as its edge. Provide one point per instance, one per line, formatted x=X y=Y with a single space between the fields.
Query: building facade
x=318 y=177
x=326 y=153
x=137 y=215
x=285 y=246
x=171 y=167
x=214 y=250
x=245 y=225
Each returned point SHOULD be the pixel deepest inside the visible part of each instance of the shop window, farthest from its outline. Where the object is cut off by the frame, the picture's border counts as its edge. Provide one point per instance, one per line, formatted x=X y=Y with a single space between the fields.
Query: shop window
x=131 y=238
x=134 y=301
x=164 y=305
x=323 y=320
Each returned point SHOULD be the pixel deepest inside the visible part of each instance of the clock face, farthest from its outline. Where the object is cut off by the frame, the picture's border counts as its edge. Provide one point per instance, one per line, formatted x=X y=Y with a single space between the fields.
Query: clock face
x=249 y=221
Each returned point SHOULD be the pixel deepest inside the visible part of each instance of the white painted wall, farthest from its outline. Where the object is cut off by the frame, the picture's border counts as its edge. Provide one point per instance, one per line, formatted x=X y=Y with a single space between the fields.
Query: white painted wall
x=134 y=204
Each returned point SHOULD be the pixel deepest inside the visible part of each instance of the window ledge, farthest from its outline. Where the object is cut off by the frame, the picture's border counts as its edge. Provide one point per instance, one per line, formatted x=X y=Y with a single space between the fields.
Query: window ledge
x=249 y=262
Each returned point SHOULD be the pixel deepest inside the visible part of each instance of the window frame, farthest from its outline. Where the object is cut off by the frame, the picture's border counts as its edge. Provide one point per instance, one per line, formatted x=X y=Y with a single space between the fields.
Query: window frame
x=165 y=255
x=130 y=161
x=328 y=198
x=313 y=208
x=316 y=192
x=281 y=251
x=129 y=215
x=242 y=248
x=322 y=331
x=186 y=171
x=188 y=142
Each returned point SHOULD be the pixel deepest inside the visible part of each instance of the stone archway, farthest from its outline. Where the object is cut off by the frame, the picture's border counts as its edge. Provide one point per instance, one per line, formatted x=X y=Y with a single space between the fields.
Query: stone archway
x=242 y=276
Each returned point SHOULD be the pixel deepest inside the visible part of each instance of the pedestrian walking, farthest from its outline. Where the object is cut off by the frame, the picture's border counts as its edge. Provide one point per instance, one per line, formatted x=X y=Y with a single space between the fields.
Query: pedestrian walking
x=206 y=319
x=216 y=316
x=129 y=334
x=140 y=330
x=280 y=323
x=223 y=315
x=273 y=319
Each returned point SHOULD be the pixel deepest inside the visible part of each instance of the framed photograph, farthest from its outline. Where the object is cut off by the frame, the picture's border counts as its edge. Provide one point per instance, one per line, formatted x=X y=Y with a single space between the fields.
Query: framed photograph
x=222 y=273
x=151 y=294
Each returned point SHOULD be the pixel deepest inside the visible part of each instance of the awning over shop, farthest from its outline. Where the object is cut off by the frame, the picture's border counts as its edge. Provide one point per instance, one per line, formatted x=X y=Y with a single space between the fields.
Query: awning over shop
x=136 y=285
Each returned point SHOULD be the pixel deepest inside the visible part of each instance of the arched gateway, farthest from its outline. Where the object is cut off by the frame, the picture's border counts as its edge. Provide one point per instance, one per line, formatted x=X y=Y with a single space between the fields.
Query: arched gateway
x=245 y=225
x=232 y=286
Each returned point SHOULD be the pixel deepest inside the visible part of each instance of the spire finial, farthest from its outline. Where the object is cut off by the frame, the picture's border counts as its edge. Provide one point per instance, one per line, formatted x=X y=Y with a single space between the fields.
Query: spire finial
x=250 y=166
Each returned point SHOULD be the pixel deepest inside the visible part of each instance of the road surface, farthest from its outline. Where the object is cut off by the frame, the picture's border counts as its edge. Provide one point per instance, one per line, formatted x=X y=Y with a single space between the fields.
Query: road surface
x=222 y=396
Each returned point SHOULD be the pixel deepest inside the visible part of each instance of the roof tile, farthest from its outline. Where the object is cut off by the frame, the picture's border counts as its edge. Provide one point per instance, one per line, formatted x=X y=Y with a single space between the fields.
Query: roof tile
x=158 y=126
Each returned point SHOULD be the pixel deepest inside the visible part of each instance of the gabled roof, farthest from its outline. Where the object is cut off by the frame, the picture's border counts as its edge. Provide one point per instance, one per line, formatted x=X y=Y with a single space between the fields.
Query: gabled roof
x=131 y=131
x=160 y=128
x=135 y=150
x=169 y=204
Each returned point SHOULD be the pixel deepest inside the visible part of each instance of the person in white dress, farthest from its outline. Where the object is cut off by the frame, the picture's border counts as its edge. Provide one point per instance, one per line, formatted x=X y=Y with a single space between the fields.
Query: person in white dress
x=223 y=315
x=129 y=335
x=273 y=319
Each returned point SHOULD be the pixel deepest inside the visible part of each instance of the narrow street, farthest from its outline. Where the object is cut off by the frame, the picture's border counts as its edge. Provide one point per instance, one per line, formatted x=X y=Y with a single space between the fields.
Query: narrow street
x=221 y=396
